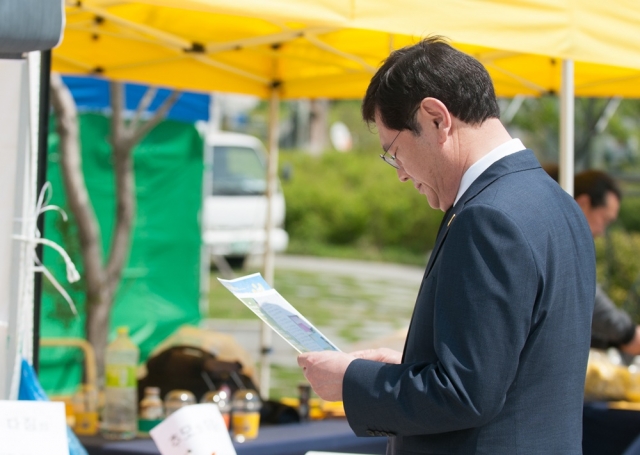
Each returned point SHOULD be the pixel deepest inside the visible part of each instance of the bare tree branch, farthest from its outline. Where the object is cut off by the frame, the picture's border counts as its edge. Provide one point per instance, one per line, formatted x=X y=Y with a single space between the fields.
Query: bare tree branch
x=144 y=104
x=122 y=148
x=156 y=118
x=117 y=109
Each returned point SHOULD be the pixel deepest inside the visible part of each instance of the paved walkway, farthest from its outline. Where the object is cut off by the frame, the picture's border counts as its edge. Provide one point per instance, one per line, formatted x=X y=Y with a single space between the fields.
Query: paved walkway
x=363 y=270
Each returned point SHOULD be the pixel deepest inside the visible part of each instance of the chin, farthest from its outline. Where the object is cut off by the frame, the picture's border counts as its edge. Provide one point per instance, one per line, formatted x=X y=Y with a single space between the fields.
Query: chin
x=433 y=205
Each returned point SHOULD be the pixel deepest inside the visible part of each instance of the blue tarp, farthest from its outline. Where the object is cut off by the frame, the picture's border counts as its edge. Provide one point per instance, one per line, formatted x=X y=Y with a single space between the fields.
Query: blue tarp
x=92 y=94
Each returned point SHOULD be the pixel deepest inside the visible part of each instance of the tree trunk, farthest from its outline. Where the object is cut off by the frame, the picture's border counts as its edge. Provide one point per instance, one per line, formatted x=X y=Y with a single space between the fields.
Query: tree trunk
x=82 y=210
x=318 y=128
x=102 y=280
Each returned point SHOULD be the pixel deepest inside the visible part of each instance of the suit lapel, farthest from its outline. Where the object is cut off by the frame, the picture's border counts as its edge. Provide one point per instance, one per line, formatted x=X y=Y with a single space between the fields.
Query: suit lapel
x=442 y=233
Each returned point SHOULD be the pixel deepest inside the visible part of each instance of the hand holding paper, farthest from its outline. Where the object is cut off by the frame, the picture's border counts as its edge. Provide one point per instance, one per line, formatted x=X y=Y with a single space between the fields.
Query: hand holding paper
x=325 y=372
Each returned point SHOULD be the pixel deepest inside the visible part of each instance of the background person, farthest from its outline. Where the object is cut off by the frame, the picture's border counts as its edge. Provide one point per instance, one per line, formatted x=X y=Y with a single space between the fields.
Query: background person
x=484 y=368
x=599 y=196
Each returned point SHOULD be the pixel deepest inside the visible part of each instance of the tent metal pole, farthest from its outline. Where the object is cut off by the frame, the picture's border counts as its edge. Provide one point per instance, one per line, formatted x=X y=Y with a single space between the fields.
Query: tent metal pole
x=43 y=135
x=269 y=258
x=567 y=121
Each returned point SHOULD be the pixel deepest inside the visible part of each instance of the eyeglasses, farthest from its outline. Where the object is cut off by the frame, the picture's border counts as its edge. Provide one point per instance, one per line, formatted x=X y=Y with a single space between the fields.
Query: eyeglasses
x=387 y=157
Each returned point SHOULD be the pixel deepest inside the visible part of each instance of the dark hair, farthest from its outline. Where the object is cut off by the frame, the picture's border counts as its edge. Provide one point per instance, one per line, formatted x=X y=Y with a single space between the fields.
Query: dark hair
x=596 y=184
x=430 y=68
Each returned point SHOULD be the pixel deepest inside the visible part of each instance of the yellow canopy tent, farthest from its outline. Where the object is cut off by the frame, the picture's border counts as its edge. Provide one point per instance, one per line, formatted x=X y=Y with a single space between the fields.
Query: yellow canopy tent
x=330 y=48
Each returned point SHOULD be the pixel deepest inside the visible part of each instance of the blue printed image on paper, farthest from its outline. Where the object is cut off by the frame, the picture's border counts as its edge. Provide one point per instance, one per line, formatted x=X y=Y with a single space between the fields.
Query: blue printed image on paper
x=247 y=284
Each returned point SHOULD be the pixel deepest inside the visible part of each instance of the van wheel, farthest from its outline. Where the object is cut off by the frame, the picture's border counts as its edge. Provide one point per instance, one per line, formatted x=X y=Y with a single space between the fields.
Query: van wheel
x=235 y=262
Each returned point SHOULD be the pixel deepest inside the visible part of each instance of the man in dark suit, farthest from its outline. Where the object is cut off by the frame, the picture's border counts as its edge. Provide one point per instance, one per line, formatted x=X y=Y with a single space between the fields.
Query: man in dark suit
x=496 y=352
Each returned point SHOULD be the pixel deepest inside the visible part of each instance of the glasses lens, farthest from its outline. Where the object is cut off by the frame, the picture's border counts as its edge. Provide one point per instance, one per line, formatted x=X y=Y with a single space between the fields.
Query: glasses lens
x=389 y=160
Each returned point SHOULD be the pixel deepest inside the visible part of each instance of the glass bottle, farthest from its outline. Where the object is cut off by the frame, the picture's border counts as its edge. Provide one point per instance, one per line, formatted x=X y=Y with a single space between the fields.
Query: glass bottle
x=304 y=394
x=245 y=414
x=120 y=413
x=151 y=410
x=85 y=407
x=222 y=399
x=177 y=399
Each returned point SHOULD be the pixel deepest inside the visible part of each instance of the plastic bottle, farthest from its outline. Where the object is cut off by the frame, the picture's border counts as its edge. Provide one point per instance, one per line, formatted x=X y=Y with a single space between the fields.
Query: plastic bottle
x=120 y=414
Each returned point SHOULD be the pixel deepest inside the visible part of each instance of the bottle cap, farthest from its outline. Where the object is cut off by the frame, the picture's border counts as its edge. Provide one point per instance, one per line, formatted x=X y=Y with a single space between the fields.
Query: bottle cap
x=152 y=390
x=246 y=400
x=218 y=397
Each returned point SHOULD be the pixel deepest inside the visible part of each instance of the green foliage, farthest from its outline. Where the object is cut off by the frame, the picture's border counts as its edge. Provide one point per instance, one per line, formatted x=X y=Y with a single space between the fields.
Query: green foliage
x=348 y=112
x=618 y=269
x=355 y=199
x=629 y=216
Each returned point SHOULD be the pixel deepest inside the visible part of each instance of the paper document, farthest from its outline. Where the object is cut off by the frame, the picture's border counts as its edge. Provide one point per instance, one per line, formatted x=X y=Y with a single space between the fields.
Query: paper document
x=198 y=429
x=280 y=315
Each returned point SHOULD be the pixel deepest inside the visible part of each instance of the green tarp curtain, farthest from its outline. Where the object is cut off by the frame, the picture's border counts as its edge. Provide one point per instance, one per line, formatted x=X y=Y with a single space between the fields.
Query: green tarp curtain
x=160 y=289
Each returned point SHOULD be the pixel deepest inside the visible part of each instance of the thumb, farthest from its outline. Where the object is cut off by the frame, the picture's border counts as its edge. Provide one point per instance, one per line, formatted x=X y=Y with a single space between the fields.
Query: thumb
x=303 y=359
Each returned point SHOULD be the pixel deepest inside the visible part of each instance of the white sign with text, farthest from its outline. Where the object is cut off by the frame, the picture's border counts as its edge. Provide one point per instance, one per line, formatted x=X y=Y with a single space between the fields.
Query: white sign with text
x=33 y=428
x=197 y=429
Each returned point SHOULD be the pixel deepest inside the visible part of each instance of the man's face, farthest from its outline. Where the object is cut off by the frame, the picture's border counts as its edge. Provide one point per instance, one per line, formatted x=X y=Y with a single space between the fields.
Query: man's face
x=421 y=160
x=599 y=218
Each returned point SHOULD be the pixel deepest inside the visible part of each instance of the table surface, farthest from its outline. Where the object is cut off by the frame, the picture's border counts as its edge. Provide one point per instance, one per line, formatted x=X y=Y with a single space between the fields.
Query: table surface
x=605 y=430
x=608 y=428
x=293 y=439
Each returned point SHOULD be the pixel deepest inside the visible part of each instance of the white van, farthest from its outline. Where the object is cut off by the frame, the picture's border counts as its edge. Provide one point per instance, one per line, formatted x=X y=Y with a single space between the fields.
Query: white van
x=235 y=204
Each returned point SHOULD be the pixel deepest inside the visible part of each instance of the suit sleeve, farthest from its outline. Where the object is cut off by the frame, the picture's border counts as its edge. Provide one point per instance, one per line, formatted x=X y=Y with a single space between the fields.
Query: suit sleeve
x=485 y=291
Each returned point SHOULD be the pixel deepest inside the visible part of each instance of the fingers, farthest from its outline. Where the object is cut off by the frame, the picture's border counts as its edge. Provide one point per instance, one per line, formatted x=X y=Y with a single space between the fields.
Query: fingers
x=363 y=354
x=303 y=360
x=379 y=355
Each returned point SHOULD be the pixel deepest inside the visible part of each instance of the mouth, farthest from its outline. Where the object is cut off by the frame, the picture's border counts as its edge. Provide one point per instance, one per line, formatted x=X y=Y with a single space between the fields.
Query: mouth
x=417 y=186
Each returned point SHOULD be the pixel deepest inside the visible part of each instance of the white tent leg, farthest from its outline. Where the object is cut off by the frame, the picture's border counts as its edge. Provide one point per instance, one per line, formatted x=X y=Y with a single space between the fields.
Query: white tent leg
x=567 y=122
x=268 y=266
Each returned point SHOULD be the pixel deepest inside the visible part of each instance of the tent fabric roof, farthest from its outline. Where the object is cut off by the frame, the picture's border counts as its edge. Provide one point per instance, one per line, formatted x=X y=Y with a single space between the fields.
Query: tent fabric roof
x=331 y=48
x=584 y=30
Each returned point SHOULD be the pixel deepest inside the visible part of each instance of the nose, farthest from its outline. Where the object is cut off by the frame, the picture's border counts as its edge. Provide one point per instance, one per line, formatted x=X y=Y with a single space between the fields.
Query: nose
x=402 y=175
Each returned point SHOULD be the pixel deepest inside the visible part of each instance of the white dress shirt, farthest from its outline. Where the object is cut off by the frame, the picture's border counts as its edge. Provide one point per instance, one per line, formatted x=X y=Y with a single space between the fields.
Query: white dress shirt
x=477 y=168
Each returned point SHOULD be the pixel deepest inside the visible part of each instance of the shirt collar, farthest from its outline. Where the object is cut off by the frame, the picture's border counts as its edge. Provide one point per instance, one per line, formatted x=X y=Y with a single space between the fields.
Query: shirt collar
x=477 y=168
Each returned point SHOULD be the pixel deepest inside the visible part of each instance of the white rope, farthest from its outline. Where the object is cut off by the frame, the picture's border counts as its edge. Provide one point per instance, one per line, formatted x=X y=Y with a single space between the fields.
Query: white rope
x=36 y=239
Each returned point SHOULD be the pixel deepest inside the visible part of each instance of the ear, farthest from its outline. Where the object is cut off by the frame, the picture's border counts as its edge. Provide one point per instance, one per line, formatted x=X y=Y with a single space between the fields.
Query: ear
x=433 y=114
x=584 y=201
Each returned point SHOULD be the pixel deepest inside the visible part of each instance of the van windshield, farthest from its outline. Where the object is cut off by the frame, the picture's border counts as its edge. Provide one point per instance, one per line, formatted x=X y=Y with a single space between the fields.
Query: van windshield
x=238 y=171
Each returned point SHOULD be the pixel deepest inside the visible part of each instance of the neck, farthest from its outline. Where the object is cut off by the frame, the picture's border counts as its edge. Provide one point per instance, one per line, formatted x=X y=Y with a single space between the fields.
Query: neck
x=478 y=141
